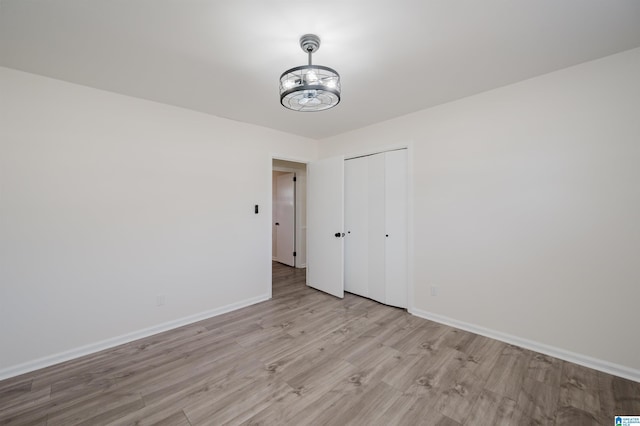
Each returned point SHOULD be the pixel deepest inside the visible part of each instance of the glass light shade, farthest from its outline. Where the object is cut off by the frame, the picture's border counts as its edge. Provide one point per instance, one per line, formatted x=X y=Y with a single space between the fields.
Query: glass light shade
x=310 y=88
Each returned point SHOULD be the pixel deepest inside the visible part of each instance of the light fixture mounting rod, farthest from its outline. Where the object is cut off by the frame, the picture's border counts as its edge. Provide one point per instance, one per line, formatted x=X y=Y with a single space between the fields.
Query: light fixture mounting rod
x=310 y=43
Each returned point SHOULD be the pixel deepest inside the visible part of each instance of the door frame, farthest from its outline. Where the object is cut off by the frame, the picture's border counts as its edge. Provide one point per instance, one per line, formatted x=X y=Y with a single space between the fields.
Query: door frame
x=269 y=204
x=409 y=146
x=292 y=226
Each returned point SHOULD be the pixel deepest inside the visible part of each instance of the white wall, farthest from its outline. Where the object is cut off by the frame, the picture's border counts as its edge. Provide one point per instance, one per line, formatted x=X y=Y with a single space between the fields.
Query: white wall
x=527 y=208
x=108 y=201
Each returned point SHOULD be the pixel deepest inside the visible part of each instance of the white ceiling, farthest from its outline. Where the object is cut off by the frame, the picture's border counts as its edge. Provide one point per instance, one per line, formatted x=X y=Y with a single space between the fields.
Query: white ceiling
x=224 y=57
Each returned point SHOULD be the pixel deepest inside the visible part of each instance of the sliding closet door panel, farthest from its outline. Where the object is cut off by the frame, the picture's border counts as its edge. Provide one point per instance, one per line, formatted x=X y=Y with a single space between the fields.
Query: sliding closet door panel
x=356 y=225
x=376 y=178
x=396 y=221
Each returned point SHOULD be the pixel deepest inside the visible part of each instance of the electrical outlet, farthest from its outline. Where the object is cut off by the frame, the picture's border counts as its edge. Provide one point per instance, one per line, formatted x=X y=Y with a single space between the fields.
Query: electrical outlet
x=160 y=300
x=434 y=290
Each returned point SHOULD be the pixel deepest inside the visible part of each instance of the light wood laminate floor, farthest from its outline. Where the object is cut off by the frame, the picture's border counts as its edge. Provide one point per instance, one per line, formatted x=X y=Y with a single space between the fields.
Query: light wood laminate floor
x=305 y=357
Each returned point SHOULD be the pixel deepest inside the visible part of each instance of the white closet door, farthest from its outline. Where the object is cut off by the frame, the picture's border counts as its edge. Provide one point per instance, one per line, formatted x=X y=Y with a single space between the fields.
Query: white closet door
x=325 y=215
x=376 y=213
x=356 y=222
x=396 y=221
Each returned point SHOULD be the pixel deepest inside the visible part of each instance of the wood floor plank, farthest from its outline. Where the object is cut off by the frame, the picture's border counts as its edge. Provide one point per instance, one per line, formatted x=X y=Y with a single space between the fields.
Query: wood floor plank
x=538 y=401
x=399 y=410
x=424 y=374
x=15 y=389
x=571 y=416
x=419 y=340
x=99 y=410
x=30 y=418
x=364 y=406
x=255 y=397
x=545 y=369
x=492 y=409
x=457 y=399
x=509 y=372
x=22 y=399
x=579 y=388
x=176 y=419
x=618 y=397
x=482 y=356
x=310 y=389
x=305 y=357
x=423 y=412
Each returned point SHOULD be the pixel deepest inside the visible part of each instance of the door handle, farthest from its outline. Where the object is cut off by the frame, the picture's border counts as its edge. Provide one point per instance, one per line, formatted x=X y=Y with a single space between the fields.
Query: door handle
x=337 y=235
x=277 y=224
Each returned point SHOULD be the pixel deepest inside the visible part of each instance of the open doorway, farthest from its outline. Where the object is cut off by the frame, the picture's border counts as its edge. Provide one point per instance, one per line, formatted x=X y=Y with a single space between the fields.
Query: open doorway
x=289 y=214
x=284 y=217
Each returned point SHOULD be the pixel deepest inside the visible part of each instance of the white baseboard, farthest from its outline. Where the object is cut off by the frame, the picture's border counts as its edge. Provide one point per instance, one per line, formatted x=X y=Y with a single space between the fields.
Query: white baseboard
x=576 y=358
x=47 y=361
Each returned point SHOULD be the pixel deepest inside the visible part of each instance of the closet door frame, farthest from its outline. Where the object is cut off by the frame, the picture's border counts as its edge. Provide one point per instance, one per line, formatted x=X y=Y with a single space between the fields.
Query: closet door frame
x=409 y=146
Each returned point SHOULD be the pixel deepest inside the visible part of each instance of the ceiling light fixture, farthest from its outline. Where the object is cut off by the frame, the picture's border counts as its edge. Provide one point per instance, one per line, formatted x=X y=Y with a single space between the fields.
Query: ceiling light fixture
x=310 y=87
